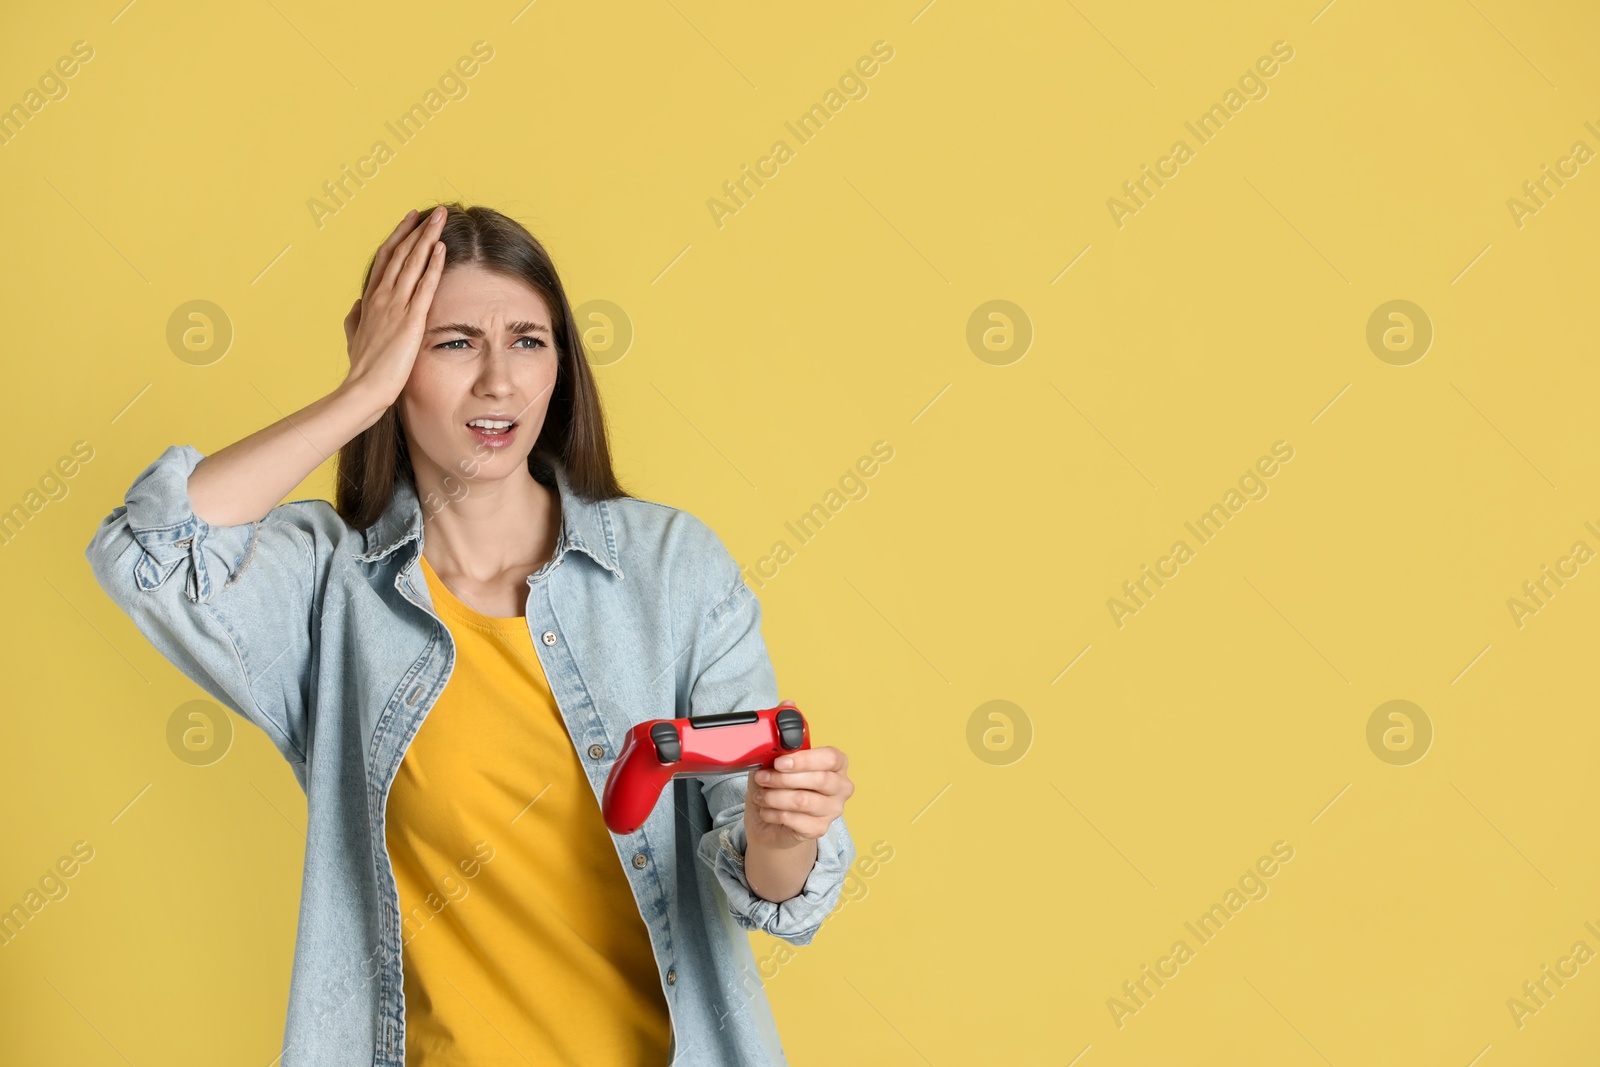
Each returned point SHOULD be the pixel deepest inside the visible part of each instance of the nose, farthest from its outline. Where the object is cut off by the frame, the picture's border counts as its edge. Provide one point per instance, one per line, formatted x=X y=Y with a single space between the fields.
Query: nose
x=495 y=377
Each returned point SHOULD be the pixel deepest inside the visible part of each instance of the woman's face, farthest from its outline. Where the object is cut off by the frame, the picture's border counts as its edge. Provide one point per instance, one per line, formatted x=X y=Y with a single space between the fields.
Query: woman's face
x=487 y=350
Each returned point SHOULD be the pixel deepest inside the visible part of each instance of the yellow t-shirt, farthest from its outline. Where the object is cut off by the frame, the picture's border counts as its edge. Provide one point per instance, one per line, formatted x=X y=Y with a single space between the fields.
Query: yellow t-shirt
x=522 y=941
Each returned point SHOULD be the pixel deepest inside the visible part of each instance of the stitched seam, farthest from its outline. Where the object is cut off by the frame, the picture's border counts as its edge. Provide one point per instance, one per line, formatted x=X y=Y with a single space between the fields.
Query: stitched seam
x=172 y=527
x=391 y=711
x=577 y=669
x=244 y=672
x=700 y=628
x=611 y=539
x=717 y=609
x=246 y=557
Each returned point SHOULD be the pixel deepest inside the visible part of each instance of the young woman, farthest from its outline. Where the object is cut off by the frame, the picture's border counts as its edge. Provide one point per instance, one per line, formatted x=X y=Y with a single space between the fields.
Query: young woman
x=449 y=657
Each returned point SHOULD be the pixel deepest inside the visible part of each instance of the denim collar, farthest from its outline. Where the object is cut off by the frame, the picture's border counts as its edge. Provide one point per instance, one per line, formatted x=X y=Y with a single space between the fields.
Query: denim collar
x=585 y=524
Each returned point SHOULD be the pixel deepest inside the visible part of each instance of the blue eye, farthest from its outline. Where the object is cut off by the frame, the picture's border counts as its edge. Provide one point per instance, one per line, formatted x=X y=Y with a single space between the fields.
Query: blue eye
x=538 y=341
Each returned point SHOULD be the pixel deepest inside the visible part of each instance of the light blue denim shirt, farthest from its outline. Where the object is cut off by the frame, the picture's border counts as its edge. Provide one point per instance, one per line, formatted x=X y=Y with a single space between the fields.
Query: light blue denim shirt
x=325 y=637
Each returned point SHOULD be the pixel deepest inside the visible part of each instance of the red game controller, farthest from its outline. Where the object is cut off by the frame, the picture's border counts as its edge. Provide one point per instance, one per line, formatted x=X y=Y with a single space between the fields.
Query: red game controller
x=658 y=750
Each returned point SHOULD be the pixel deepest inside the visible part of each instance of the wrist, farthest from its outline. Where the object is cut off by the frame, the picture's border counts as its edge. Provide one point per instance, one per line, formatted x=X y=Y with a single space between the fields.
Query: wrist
x=776 y=847
x=778 y=873
x=365 y=399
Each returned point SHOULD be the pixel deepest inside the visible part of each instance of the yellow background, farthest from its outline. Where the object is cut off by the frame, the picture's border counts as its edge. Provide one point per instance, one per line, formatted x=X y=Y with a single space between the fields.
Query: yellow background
x=769 y=354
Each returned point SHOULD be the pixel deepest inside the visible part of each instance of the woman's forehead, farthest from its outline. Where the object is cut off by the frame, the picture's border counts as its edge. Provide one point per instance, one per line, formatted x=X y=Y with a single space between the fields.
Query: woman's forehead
x=470 y=293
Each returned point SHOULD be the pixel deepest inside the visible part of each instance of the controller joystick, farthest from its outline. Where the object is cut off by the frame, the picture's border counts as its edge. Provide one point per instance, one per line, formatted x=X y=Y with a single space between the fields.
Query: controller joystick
x=791 y=728
x=665 y=737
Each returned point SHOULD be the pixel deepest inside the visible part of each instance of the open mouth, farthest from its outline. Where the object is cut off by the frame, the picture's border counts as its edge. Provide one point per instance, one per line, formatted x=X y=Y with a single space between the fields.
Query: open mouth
x=493 y=431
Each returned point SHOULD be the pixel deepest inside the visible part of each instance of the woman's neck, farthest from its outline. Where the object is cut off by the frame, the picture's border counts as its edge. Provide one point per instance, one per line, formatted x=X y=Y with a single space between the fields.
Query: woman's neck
x=491 y=529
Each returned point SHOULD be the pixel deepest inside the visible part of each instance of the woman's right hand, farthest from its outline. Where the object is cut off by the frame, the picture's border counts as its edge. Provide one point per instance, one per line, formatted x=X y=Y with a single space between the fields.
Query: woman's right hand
x=384 y=328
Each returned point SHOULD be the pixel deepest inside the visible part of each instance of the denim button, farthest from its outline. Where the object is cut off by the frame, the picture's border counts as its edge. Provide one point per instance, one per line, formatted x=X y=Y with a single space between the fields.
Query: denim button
x=596 y=751
x=639 y=859
x=548 y=637
x=672 y=975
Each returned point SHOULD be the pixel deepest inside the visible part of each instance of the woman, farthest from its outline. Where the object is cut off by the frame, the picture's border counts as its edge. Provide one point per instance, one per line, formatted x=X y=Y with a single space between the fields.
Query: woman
x=449 y=657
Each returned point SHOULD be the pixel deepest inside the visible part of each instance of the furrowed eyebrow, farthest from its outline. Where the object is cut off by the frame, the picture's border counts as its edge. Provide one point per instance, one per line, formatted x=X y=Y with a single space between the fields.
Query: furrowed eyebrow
x=474 y=331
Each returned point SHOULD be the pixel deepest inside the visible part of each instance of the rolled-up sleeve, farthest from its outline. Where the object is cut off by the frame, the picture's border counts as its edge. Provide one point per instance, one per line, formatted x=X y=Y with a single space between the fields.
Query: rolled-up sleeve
x=232 y=607
x=731 y=671
x=797 y=919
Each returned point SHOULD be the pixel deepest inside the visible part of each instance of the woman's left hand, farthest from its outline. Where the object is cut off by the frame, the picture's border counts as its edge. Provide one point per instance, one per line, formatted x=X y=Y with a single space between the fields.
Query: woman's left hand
x=798 y=800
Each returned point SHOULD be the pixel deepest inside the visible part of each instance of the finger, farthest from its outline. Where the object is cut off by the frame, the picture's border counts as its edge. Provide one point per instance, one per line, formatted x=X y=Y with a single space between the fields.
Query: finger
x=417 y=256
x=831 y=782
x=802 y=800
x=826 y=758
x=380 y=261
x=422 y=299
x=401 y=250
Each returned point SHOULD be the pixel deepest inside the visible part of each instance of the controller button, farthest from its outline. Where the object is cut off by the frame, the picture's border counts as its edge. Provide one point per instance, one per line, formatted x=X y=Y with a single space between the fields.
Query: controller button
x=596 y=751
x=726 y=718
x=640 y=859
x=548 y=637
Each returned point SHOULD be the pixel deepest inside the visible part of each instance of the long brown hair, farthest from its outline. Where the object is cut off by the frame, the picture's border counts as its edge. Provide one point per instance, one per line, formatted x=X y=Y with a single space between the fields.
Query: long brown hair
x=574 y=430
